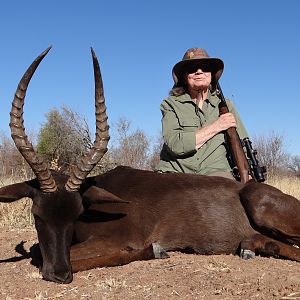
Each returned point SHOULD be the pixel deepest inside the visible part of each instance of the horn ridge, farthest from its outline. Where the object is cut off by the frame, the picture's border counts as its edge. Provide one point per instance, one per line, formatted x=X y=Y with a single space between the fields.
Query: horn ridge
x=35 y=161
x=94 y=155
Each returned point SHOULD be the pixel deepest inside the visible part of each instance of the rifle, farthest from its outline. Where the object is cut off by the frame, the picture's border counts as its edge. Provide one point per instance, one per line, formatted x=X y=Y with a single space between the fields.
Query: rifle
x=256 y=170
x=244 y=165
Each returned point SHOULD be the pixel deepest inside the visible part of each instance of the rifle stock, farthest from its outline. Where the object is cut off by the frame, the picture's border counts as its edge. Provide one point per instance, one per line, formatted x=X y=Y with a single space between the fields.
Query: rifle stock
x=236 y=148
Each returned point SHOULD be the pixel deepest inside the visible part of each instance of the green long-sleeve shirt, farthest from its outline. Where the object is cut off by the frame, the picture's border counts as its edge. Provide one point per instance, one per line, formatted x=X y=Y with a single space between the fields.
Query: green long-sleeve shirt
x=181 y=117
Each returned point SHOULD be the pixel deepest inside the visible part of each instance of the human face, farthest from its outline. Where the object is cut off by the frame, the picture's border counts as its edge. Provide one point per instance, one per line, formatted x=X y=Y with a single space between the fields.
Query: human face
x=198 y=77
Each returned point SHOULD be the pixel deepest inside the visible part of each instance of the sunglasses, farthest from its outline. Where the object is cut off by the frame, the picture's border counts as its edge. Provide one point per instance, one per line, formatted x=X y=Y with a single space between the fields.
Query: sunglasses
x=193 y=68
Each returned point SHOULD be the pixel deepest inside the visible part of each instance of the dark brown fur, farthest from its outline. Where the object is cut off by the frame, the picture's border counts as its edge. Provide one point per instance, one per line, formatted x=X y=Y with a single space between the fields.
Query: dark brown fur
x=116 y=217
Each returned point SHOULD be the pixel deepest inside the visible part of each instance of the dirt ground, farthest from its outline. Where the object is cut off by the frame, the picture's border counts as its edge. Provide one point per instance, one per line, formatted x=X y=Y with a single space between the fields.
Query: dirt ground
x=182 y=276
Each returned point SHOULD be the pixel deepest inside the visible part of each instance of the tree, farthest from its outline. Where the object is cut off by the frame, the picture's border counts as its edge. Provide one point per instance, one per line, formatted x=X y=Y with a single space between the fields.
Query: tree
x=154 y=156
x=12 y=163
x=295 y=165
x=272 y=153
x=63 y=138
x=131 y=148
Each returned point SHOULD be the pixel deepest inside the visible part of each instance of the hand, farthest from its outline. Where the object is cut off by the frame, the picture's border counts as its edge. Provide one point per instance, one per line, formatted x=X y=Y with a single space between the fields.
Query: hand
x=226 y=121
x=205 y=133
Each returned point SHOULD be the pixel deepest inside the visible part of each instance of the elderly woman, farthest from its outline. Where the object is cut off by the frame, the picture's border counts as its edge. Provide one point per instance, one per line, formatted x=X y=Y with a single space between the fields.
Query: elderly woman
x=193 y=130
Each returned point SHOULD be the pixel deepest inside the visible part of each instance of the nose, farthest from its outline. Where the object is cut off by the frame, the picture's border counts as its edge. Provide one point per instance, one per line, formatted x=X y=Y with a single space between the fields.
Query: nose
x=61 y=278
x=199 y=71
x=64 y=278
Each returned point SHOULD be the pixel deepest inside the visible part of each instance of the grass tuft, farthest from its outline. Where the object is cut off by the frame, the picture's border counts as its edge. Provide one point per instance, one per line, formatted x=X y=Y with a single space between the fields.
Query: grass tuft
x=287 y=184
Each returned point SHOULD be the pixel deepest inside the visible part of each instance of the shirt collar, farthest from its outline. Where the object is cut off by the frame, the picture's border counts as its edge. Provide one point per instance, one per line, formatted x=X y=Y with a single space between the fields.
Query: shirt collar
x=212 y=98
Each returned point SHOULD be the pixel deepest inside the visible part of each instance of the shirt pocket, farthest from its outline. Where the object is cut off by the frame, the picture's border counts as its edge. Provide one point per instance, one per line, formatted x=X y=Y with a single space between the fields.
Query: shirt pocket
x=189 y=124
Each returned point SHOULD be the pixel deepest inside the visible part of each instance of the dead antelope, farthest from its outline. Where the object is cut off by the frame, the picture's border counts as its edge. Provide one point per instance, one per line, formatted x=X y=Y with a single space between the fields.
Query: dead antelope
x=127 y=214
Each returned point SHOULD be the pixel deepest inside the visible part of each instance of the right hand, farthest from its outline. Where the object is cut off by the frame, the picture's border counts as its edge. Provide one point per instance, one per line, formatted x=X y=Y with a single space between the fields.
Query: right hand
x=226 y=121
x=205 y=133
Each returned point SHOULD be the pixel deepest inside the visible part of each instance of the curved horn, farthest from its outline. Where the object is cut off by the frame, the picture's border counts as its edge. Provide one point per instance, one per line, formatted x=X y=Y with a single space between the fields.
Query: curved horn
x=93 y=156
x=35 y=161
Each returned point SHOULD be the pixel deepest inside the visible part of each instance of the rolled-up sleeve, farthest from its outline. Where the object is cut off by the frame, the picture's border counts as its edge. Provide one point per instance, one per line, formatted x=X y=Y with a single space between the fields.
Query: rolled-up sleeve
x=179 y=136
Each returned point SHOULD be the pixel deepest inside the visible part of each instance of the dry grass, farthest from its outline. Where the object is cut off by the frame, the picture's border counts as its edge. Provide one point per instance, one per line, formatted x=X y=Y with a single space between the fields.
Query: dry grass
x=18 y=214
x=288 y=184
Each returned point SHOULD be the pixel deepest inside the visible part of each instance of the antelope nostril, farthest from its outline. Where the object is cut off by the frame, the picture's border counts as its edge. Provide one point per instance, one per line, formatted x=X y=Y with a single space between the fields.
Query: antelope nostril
x=67 y=278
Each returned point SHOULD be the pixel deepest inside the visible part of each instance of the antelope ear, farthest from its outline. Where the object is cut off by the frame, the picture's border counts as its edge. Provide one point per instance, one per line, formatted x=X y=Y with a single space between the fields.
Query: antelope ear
x=14 y=192
x=98 y=195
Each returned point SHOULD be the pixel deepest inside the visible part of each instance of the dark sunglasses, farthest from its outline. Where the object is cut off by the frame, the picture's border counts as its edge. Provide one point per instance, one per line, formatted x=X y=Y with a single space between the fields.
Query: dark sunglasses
x=193 y=68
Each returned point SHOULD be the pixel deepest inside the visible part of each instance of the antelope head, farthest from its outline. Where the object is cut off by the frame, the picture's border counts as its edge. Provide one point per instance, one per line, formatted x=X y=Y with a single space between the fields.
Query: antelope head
x=57 y=199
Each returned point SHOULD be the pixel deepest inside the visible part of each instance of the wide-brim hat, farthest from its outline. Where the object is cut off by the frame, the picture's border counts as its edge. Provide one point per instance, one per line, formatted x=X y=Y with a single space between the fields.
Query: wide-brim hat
x=197 y=55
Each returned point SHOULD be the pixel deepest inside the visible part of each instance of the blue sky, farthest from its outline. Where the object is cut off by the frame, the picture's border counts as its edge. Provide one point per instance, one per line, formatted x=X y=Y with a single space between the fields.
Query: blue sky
x=137 y=44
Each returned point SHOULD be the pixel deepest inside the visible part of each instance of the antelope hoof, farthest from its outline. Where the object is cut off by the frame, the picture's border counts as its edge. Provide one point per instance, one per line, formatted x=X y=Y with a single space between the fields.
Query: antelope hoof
x=159 y=252
x=247 y=254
